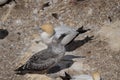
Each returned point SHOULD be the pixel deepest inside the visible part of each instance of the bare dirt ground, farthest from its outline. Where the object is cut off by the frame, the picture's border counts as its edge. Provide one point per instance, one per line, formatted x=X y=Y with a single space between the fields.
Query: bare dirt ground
x=102 y=53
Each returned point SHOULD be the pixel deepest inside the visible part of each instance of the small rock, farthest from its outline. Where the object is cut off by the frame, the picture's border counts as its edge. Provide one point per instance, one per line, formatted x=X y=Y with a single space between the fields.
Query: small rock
x=45 y=5
x=3 y=2
x=3 y=33
x=55 y=15
x=109 y=18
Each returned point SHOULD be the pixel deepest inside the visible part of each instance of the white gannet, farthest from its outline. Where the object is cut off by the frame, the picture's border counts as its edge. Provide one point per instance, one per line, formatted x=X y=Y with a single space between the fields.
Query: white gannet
x=48 y=31
x=94 y=76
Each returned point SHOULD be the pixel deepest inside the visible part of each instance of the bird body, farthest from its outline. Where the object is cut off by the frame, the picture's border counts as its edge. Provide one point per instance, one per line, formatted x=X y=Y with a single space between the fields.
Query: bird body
x=71 y=33
x=64 y=29
x=44 y=59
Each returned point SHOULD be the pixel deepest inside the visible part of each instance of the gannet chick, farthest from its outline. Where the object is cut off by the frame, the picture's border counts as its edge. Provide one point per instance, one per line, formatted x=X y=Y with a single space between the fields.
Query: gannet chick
x=94 y=76
x=48 y=31
x=45 y=59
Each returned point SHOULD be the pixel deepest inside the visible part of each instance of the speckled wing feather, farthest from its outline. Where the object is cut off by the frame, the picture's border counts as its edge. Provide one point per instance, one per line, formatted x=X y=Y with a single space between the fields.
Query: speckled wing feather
x=40 y=61
x=45 y=59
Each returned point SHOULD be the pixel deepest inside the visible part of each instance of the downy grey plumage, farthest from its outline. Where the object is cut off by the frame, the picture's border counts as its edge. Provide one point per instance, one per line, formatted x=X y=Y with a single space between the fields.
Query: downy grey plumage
x=44 y=59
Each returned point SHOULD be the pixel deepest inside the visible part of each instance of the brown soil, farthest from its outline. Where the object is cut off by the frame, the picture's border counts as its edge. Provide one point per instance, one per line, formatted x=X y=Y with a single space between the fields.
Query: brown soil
x=101 y=16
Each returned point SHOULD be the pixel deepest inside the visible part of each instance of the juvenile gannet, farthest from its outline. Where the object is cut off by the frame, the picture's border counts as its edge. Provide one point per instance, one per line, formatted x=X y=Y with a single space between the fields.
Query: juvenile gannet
x=44 y=59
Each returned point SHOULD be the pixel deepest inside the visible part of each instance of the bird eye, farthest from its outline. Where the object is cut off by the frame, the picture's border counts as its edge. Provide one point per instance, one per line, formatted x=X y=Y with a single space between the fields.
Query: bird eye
x=40 y=30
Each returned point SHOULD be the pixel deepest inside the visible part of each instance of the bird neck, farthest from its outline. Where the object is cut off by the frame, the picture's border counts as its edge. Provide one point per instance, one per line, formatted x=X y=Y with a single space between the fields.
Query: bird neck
x=57 y=48
x=46 y=38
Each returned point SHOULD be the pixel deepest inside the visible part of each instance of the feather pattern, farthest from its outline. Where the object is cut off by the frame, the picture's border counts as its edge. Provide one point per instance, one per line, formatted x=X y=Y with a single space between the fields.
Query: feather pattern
x=44 y=59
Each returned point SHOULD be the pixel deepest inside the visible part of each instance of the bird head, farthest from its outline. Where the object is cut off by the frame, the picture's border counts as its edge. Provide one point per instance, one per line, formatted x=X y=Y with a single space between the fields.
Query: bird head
x=48 y=28
x=47 y=33
x=96 y=76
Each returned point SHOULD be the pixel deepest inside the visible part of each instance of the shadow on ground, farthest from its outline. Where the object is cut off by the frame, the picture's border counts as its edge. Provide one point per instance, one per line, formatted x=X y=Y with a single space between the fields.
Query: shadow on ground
x=77 y=43
x=66 y=62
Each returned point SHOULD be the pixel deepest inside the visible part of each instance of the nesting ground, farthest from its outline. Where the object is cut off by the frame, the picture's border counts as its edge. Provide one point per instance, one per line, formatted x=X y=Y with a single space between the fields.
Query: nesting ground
x=102 y=53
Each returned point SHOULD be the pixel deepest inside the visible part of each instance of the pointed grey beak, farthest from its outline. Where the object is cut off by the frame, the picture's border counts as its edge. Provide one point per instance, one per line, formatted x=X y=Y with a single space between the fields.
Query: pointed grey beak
x=40 y=30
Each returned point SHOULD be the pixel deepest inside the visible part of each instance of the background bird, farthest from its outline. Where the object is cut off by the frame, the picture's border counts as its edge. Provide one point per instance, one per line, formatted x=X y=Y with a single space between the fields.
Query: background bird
x=94 y=76
x=75 y=1
x=48 y=31
x=3 y=2
x=10 y=7
x=45 y=59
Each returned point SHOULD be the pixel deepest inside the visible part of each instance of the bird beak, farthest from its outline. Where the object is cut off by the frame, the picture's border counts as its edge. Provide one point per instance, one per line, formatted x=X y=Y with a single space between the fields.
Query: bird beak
x=40 y=30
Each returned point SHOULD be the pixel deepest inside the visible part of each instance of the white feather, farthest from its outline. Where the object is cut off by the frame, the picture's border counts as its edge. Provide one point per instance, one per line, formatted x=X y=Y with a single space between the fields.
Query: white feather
x=82 y=77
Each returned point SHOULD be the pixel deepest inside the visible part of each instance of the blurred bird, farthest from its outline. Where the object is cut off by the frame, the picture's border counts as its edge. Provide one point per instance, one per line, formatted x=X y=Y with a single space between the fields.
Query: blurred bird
x=45 y=59
x=75 y=1
x=3 y=2
x=48 y=32
x=10 y=7
x=95 y=76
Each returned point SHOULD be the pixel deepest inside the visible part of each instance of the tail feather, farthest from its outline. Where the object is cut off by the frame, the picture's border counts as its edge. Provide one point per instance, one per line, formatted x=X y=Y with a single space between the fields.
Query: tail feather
x=66 y=77
x=81 y=30
x=21 y=70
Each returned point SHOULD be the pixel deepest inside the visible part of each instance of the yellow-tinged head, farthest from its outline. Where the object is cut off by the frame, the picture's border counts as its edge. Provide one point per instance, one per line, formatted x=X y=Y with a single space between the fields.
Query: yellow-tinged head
x=48 y=28
x=96 y=76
